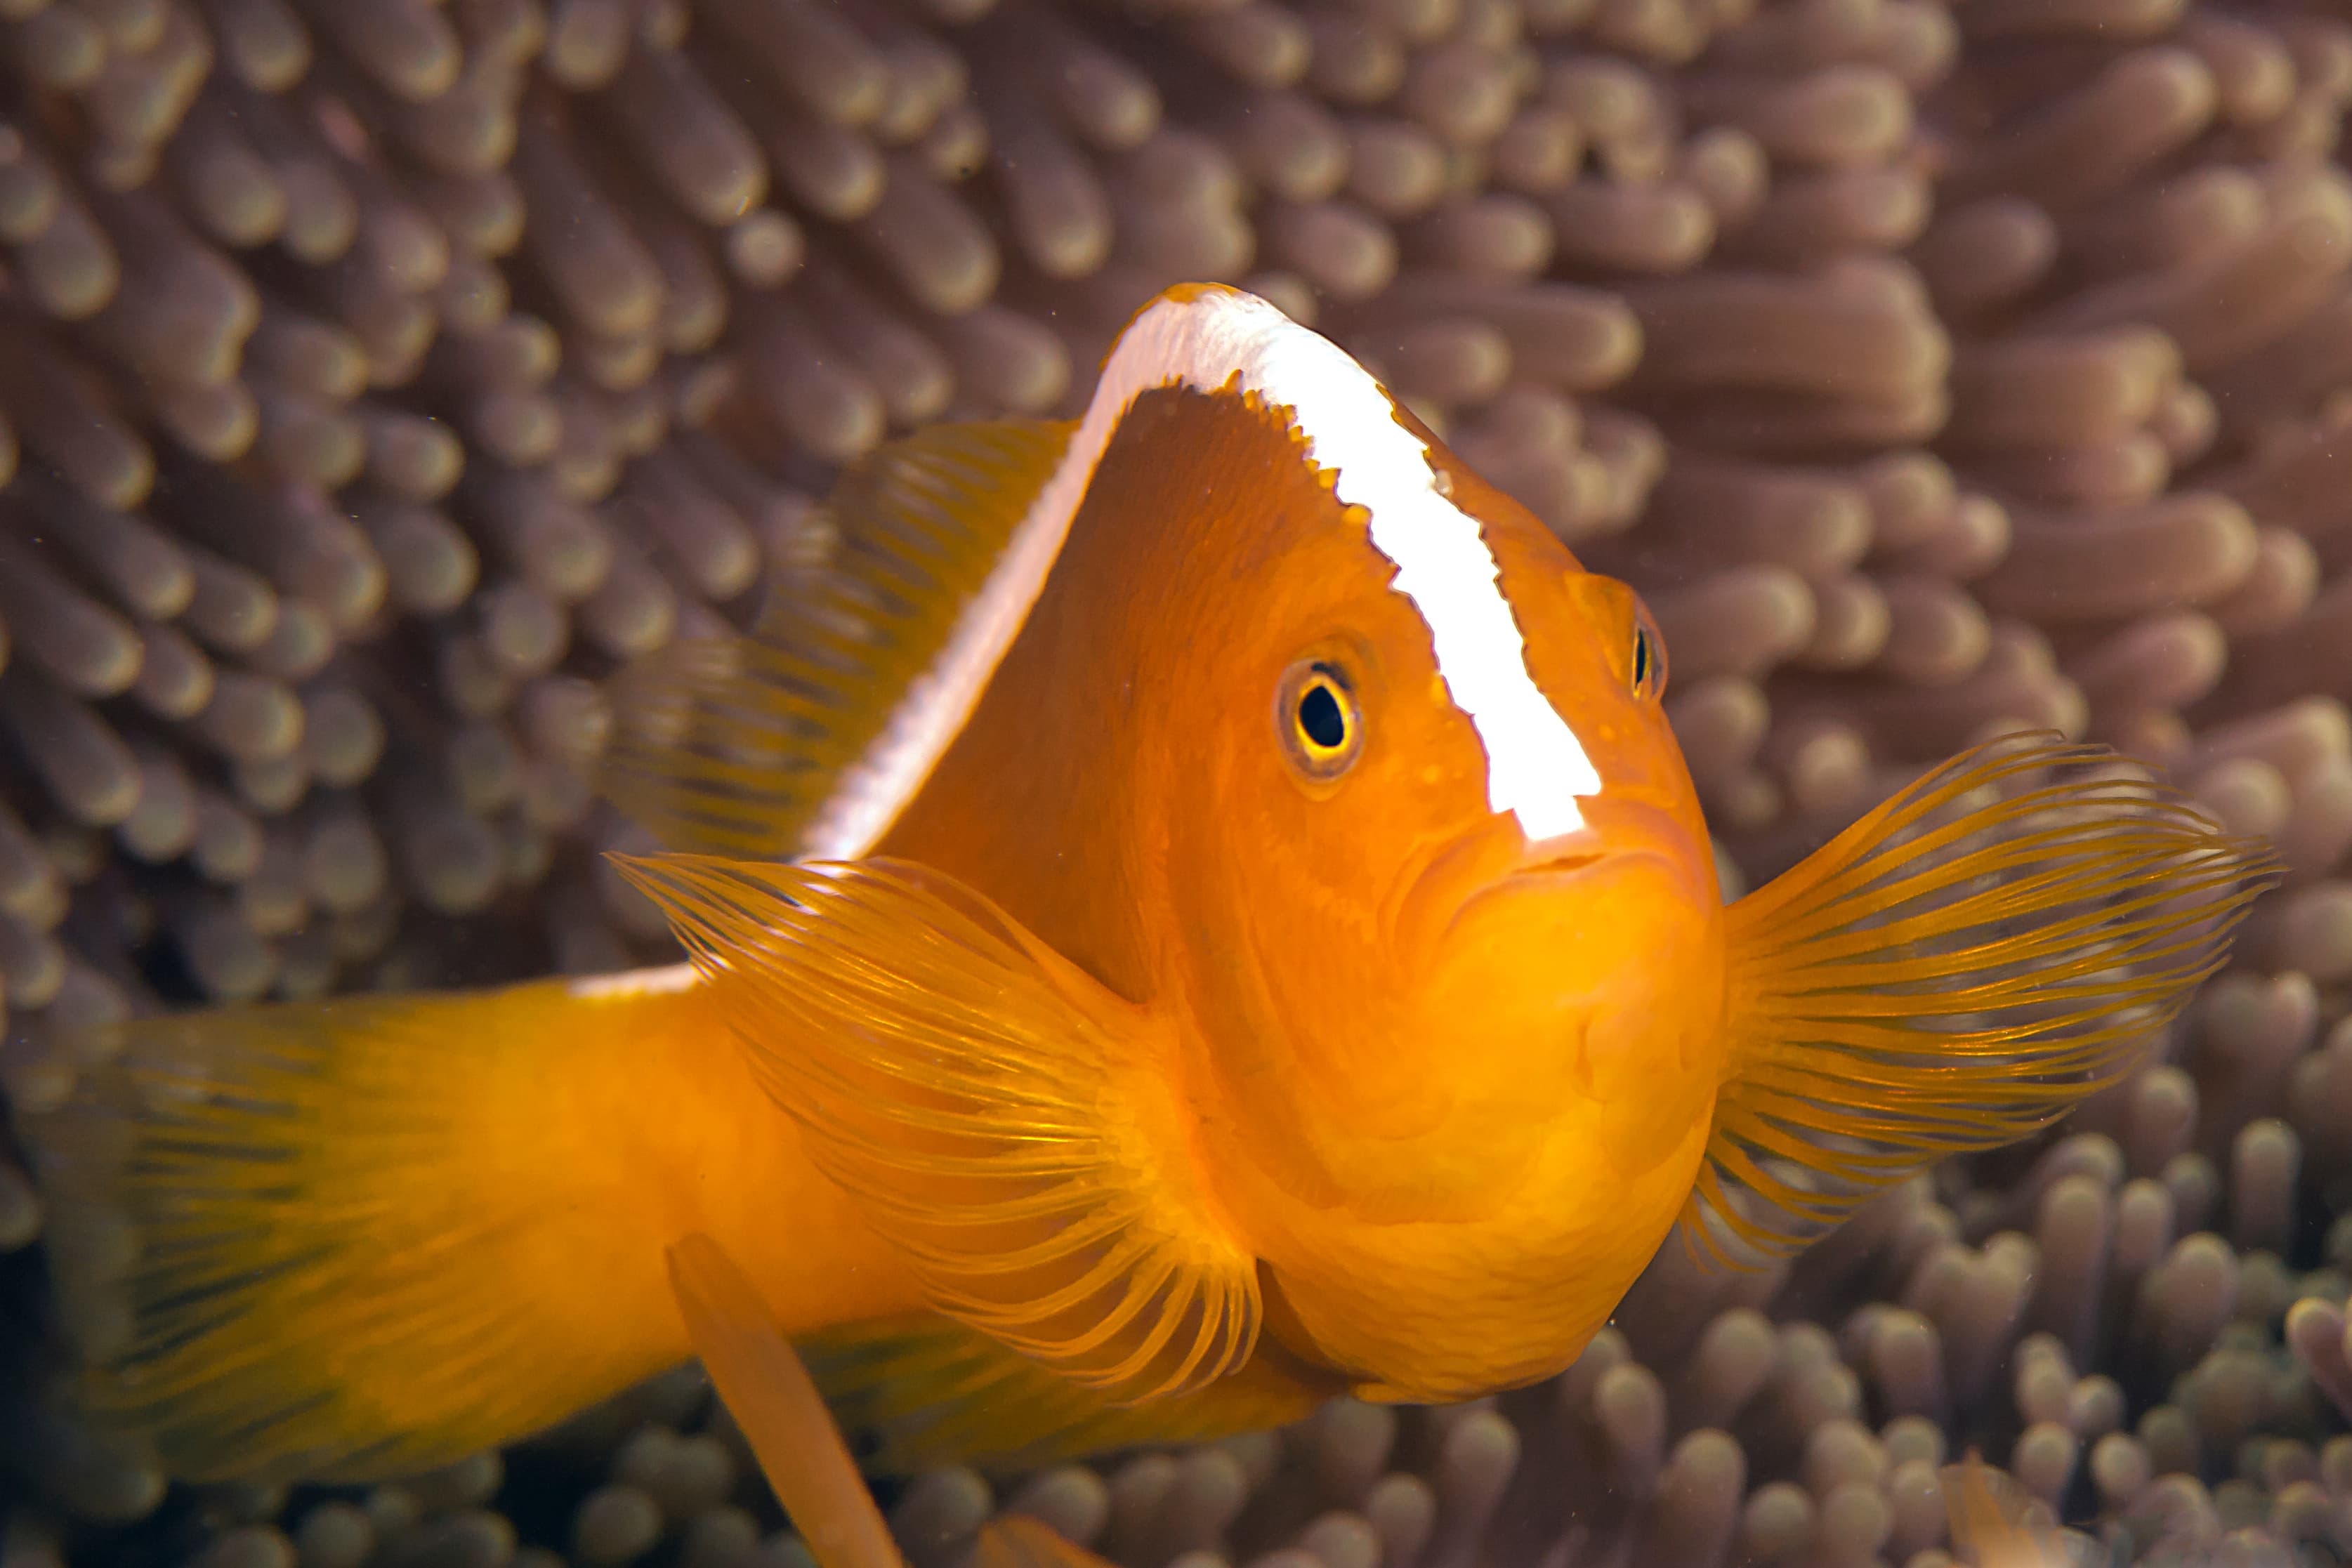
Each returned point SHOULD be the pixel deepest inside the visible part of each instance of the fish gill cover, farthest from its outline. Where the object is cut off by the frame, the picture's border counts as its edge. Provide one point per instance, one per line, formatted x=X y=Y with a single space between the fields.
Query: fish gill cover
x=377 y=379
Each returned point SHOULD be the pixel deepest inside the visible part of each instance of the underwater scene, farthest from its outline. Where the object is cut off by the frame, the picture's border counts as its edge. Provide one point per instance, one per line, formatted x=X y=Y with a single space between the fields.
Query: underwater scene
x=1181 y=783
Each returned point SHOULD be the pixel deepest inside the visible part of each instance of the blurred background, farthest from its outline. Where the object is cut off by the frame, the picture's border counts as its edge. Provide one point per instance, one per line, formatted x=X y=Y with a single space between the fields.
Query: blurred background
x=377 y=377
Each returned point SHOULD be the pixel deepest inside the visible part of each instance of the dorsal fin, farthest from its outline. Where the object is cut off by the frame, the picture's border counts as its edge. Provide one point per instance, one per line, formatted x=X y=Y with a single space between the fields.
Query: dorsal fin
x=804 y=737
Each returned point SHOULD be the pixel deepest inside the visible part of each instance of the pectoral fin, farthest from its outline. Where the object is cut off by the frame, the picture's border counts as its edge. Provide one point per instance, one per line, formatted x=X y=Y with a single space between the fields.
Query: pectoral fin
x=1993 y=1518
x=1005 y=1121
x=1959 y=968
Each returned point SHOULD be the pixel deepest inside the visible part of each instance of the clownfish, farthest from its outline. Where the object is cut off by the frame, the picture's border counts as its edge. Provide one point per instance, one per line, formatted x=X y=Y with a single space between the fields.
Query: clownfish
x=1190 y=911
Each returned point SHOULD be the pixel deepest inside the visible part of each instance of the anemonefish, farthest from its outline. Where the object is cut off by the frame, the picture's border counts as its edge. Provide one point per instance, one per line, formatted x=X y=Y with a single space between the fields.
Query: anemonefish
x=1188 y=911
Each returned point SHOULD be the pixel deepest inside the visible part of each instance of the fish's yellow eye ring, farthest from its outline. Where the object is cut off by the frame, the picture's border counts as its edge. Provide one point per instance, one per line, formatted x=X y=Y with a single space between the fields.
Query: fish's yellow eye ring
x=1648 y=660
x=1321 y=725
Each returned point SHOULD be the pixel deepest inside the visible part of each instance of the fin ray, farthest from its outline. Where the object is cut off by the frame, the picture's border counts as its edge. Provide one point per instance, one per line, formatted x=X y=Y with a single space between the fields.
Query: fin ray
x=300 y=1241
x=743 y=745
x=1957 y=969
x=1003 y=1119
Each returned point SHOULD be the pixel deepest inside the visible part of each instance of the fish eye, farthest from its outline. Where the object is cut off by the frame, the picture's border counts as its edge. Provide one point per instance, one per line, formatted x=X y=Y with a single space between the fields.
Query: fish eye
x=1322 y=727
x=1648 y=664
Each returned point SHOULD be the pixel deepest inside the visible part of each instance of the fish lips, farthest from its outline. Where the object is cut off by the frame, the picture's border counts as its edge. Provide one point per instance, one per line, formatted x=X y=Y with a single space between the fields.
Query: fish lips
x=1617 y=835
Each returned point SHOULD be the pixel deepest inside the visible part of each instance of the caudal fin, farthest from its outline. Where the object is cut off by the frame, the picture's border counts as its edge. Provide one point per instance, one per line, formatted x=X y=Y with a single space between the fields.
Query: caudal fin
x=1957 y=969
x=361 y=1236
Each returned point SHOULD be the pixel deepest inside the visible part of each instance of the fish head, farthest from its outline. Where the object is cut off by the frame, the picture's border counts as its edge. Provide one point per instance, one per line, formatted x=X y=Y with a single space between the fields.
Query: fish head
x=1444 y=895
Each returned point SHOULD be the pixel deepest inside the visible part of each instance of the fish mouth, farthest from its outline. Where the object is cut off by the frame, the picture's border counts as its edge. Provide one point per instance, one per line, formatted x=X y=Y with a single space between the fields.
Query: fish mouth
x=1564 y=871
x=1616 y=835
x=1616 y=832
x=1561 y=865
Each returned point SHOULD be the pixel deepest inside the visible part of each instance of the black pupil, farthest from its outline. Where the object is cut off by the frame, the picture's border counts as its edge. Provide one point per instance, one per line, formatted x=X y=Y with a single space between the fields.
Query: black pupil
x=1641 y=657
x=1319 y=716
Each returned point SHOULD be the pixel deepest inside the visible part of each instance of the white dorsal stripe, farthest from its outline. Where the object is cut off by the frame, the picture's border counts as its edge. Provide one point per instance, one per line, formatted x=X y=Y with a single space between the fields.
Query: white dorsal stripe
x=1535 y=766
x=668 y=978
x=1208 y=339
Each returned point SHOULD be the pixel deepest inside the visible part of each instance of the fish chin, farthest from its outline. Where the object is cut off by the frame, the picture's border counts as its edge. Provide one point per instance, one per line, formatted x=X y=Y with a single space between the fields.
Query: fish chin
x=1573 y=926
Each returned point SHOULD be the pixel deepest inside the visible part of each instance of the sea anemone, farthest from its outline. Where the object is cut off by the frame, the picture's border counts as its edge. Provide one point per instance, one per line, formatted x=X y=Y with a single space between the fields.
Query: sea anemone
x=376 y=379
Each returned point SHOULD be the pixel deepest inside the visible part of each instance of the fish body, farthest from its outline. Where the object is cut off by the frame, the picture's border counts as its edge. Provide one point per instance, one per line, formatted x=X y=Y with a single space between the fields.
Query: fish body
x=1367 y=934
x=1190 y=911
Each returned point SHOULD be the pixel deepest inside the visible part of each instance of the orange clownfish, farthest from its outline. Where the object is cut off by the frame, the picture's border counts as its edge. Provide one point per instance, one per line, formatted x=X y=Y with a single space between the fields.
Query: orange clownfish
x=1190 y=911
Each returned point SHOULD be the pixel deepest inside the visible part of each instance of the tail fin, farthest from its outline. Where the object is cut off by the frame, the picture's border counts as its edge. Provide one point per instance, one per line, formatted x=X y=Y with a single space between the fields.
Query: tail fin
x=1956 y=971
x=362 y=1237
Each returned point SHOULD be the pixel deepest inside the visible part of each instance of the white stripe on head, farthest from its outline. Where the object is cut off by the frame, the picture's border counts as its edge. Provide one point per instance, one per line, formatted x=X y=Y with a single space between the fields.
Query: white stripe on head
x=1535 y=766
x=1209 y=339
